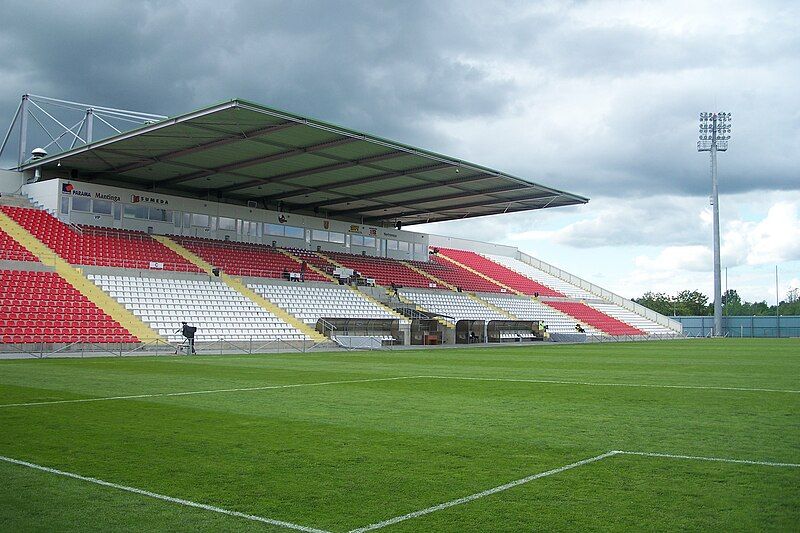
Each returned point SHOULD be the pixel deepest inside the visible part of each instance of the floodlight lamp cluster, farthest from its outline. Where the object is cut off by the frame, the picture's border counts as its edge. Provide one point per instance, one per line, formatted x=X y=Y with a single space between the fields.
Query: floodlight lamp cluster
x=715 y=129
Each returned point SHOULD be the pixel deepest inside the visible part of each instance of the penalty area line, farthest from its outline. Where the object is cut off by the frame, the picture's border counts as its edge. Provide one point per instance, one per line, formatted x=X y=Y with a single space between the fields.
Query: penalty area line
x=482 y=494
x=162 y=497
x=210 y=391
x=512 y=484
x=712 y=459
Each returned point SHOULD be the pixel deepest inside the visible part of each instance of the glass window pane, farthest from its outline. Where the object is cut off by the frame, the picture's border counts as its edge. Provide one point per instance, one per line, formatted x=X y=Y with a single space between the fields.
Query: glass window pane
x=101 y=207
x=391 y=244
x=273 y=229
x=295 y=232
x=336 y=237
x=64 y=205
x=228 y=224
x=199 y=220
x=369 y=242
x=160 y=215
x=81 y=204
x=319 y=235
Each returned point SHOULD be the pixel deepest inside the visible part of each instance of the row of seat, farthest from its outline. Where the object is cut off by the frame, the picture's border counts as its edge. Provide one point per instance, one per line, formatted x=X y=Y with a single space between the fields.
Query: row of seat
x=120 y=248
x=243 y=259
x=629 y=317
x=44 y=307
x=11 y=250
x=457 y=276
x=455 y=305
x=218 y=311
x=540 y=276
x=530 y=309
x=384 y=271
x=309 y=304
x=595 y=318
x=498 y=272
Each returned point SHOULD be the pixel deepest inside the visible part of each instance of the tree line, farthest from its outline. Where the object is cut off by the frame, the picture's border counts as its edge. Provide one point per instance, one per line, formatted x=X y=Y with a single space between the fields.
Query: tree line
x=695 y=303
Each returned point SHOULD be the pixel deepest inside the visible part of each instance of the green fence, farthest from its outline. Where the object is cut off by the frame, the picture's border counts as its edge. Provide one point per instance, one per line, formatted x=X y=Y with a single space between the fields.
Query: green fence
x=742 y=326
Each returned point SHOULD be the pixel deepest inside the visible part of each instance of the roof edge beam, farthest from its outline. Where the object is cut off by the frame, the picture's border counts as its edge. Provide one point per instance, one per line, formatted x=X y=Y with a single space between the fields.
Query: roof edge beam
x=451 y=196
x=394 y=216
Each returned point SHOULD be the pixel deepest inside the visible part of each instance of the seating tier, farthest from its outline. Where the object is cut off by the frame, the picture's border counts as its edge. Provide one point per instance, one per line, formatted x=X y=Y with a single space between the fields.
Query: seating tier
x=243 y=259
x=457 y=276
x=43 y=307
x=531 y=272
x=12 y=250
x=529 y=309
x=498 y=272
x=452 y=304
x=218 y=311
x=309 y=304
x=100 y=247
x=384 y=271
x=595 y=318
x=633 y=319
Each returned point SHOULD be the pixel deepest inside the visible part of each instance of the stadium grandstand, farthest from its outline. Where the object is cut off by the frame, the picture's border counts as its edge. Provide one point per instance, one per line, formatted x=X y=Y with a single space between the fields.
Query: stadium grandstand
x=260 y=226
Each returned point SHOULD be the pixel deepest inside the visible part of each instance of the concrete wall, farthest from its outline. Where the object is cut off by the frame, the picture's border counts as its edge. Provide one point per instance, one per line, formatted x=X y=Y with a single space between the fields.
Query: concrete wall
x=61 y=196
x=11 y=181
x=44 y=192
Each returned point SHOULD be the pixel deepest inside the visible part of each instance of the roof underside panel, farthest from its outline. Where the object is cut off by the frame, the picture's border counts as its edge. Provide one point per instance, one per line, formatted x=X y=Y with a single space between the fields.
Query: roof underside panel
x=243 y=151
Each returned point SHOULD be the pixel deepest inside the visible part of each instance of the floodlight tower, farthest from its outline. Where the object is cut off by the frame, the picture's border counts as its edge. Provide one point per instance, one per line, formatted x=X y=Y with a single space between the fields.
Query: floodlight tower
x=715 y=129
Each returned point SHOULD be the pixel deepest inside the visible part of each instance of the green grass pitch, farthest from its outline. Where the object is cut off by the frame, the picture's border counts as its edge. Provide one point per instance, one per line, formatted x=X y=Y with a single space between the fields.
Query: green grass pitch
x=354 y=450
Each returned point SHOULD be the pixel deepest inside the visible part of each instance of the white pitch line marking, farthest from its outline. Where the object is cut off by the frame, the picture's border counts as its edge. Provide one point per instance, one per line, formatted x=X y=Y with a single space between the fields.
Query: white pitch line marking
x=211 y=391
x=713 y=459
x=162 y=497
x=477 y=495
x=599 y=384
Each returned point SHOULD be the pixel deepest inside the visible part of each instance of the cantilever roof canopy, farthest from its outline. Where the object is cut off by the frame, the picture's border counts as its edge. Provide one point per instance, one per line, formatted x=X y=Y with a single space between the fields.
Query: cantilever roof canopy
x=240 y=151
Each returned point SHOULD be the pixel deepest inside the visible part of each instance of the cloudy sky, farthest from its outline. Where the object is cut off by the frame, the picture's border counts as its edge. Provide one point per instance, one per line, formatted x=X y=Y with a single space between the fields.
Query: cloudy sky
x=597 y=98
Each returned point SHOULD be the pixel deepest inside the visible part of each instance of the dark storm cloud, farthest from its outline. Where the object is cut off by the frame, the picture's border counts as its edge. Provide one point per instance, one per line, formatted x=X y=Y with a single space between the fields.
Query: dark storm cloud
x=433 y=73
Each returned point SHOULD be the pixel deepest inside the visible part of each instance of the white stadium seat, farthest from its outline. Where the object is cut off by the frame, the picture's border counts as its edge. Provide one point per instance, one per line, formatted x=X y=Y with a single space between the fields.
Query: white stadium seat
x=530 y=309
x=218 y=311
x=452 y=304
x=558 y=284
x=310 y=303
x=634 y=319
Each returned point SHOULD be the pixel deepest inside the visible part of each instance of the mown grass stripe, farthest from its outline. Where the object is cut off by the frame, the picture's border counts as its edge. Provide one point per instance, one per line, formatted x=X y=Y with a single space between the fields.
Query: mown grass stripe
x=157 y=496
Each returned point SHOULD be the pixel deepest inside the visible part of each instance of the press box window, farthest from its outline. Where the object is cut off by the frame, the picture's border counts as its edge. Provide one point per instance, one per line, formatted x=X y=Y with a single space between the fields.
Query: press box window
x=274 y=229
x=135 y=211
x=295 y=232
x=199 y=220
x=391 y=244
x=336 y=237
x=160 y=215
x=81 y=204
x=228 y=224
x=101 y=207
x=319 y=235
